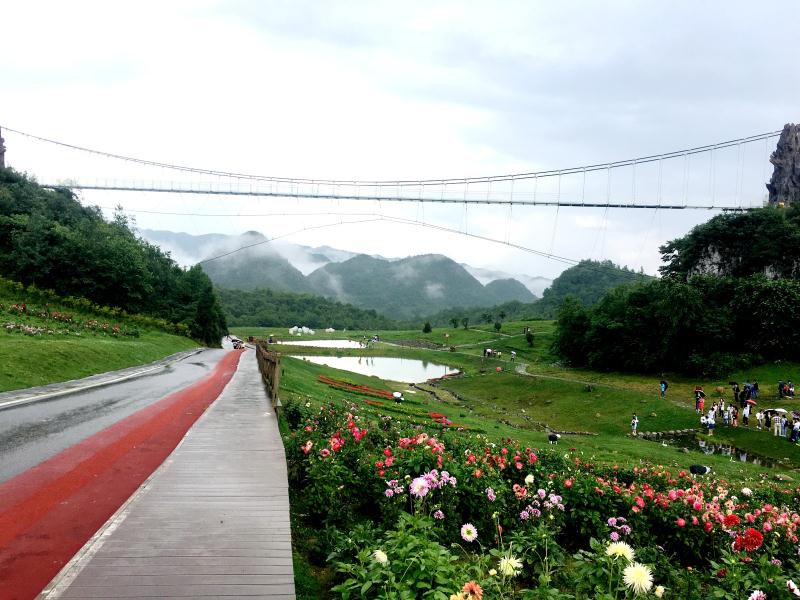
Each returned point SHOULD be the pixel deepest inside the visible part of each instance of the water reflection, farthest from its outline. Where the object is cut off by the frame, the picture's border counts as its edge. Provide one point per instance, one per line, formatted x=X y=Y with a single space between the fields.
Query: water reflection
x=397 y=369
x=325 y=343
x=709 y=447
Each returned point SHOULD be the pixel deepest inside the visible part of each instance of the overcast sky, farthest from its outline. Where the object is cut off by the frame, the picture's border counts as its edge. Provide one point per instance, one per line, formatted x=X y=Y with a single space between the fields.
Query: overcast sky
x=411 y=90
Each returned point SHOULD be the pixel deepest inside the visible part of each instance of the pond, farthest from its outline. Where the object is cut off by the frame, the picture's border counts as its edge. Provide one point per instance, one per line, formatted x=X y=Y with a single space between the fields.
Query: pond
x=707 y=446
x=396 y=369
x=324 y=343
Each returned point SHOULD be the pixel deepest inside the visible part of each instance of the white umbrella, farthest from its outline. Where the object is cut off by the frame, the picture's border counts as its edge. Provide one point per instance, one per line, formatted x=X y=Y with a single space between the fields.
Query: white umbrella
x=778 y=410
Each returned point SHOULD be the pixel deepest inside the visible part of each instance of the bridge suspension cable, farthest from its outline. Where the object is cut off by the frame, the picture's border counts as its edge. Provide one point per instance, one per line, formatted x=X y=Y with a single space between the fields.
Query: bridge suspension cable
x=400 y=182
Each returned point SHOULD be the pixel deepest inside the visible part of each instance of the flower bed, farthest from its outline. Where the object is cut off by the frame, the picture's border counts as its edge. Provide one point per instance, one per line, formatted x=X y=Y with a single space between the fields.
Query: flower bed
x=352 y=387
x=408 y=512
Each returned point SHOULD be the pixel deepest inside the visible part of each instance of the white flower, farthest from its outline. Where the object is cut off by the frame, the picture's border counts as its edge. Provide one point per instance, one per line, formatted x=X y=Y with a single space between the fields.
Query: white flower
x=746 y=491
x=528 y=479
x=468 y=532
x=757 y=595
x=617 y=549
x=659 y=591
x=380 y=557
x=510 y=566
x=638 y=577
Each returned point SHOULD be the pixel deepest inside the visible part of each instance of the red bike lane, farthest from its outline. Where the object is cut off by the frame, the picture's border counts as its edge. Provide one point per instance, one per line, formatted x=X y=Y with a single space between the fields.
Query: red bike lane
x=50 y=511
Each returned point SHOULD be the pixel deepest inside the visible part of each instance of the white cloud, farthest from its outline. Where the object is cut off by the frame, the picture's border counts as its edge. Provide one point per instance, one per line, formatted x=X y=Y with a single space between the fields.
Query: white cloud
x=385 y=90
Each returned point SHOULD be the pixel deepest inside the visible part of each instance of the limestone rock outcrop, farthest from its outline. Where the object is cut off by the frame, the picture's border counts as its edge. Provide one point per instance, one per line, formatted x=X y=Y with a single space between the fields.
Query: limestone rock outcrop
x=784 y=186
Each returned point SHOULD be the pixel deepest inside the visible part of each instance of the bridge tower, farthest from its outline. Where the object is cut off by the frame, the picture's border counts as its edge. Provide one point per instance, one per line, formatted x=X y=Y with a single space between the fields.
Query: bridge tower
x=2 y=151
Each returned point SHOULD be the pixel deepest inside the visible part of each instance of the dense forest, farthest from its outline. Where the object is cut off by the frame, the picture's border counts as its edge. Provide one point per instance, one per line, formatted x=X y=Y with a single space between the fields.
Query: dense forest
x=588 y=281
x=272 y=308
x=739 y=244
x=742 y=311
x=48 y=239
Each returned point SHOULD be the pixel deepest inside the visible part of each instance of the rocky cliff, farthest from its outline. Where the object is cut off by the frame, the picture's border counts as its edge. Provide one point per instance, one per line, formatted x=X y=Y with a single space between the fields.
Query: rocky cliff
x=784 y=187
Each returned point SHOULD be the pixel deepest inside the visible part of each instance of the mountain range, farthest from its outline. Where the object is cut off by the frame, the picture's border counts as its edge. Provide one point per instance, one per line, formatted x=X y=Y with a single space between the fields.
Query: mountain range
x=402 y=288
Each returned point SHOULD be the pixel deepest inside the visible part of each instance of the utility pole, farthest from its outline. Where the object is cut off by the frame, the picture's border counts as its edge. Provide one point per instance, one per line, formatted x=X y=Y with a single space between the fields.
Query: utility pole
x=2 y=151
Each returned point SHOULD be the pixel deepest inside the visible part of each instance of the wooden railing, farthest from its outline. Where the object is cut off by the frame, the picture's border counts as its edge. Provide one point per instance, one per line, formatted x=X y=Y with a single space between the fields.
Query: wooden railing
x=269 y=363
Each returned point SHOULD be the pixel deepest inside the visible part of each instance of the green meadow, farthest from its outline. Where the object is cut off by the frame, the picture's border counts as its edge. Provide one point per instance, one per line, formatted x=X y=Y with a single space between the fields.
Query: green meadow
x=535 y=393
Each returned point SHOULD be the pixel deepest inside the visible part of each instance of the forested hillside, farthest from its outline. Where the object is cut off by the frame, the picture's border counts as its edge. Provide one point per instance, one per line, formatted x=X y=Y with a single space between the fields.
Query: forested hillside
x=588 y=281
x=741 y=310
x=268 y=308
x=408 y=288
x=47 y=238
x=739 y=244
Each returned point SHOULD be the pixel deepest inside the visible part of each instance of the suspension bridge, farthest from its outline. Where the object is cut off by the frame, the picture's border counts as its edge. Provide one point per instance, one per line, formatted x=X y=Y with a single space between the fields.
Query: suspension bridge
x=723 y=176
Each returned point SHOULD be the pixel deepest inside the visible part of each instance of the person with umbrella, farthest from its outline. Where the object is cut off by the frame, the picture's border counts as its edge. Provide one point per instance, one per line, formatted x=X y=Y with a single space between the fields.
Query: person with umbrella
x=776 y=424
x=746 y=414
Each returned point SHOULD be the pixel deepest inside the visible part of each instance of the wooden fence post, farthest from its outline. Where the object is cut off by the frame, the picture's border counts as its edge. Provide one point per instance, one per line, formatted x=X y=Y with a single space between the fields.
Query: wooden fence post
x=269 y=363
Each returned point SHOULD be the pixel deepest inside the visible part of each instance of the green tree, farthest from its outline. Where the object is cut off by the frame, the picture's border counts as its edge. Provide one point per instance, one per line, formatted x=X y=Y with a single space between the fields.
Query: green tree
x=465 y=322
x=427 y=327
x=497 y=325
x=47 y=238
x=454 y=322
x=529 y=338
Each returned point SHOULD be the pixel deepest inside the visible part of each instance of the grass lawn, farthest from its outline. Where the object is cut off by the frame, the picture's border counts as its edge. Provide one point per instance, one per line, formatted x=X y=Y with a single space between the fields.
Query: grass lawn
x=27 y=361
x=72 y=351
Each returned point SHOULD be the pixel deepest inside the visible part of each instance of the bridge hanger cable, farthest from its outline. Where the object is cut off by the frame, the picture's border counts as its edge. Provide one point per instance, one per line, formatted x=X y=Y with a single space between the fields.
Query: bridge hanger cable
x=441 y=181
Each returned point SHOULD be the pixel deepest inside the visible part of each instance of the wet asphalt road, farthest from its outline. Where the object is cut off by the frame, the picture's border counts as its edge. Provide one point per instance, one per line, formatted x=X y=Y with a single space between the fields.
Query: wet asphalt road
x=34 y=432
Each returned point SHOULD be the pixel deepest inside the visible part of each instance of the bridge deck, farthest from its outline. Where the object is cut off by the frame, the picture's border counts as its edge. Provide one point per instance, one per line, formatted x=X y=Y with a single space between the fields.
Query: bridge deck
x=212 y=521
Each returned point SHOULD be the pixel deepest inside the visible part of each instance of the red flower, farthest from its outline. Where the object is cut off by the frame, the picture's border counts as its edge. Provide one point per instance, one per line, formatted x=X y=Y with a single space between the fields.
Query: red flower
x=731 y=521
x=568 y=483
x=681 y=522
x=750 y=541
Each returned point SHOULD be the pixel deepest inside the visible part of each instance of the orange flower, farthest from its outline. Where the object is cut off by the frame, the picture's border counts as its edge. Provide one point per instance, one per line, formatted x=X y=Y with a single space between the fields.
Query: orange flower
x=472 y=590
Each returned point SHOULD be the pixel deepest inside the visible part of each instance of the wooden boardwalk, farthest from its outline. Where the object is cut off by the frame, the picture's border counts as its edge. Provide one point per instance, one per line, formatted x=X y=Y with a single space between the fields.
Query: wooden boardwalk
x=212 y=521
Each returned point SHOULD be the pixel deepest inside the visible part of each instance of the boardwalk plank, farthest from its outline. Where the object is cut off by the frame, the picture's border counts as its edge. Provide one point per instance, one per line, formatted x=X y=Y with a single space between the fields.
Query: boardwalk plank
x=212 y=522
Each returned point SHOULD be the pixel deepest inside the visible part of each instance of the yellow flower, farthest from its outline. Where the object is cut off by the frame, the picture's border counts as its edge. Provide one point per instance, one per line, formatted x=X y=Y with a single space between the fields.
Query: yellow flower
x=638 y=577
x=380 y=557
x=659 y=591
x=492 y=572
x=458 y=596
x=510 y=566
x=617 y=549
